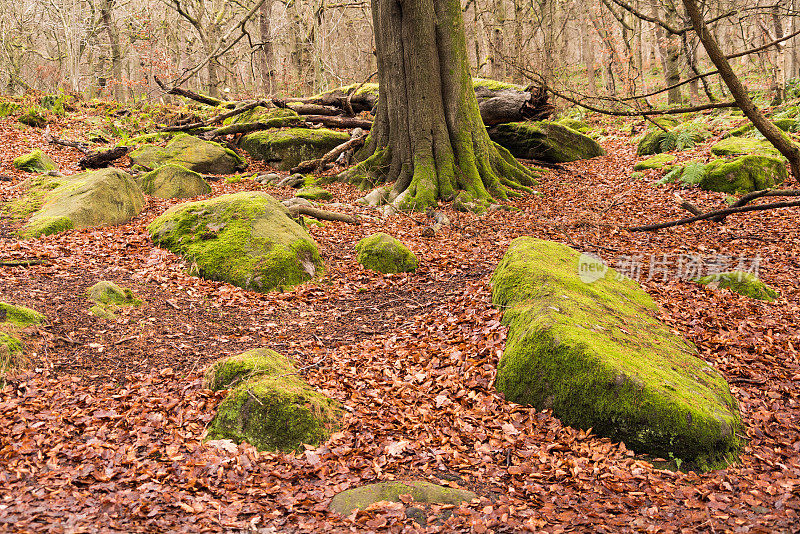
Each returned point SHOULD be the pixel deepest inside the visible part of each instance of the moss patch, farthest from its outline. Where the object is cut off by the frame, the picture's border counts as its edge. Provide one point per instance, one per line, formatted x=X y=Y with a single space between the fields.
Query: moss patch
x=574 y=124
x=36 y=161
x=12 y=350
x=173 y=181
x=245 y=238
x=734 y=146
x=546 y=141
x=658 y=161
x=269 y=407
x=596 y=354
x=740 y=282
x=274 y=117
x=109 y=298
x=192 y=153
x=385 y=254
x=743 y=175
x=680 y=137
x=35 y=117
x=422 y=492
x=284 y=149
x=314 y=193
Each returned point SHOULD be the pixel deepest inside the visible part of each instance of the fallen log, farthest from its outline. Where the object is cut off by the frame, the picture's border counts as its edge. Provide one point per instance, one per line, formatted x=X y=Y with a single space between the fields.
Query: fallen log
x=314 y=109
x=340 y=122
x=319 y=163
x=180 y=127
x=324 y=215
x=712 y=214
x=97 y=160
x=197 y=97
x=248 y=127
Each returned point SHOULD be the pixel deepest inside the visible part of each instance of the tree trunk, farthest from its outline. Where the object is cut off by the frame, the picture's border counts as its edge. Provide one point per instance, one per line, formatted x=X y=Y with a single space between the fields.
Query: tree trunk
x=771 y=132
x=428 y=135
x=268 y=55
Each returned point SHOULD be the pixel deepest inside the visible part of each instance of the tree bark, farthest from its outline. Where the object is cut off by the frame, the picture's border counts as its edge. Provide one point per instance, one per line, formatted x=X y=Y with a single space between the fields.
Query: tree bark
x=428 y=135
x=268 y=55
x=771 y=132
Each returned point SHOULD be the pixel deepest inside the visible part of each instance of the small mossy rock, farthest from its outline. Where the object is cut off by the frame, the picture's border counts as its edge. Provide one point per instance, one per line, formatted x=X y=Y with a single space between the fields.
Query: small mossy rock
x=385 y=254
x=743 y=175
x=34 y=117
x=195 y=154
x=273 y=117
x=12 y=320
x=740 y=282
x=19 y=315
x=659 y=161
x=735 y=146
x=680 y=137
x=36 y=161
x=109 y=298
x=173 y=181
x=314 y=193
x=574 y=124
x=269 y=406
x=246 y=239
x=96 y=198
x=422 y=492
x=546 y=141
x=285 y=149
x=785 y=124
x=233 y=370
x=596 y=354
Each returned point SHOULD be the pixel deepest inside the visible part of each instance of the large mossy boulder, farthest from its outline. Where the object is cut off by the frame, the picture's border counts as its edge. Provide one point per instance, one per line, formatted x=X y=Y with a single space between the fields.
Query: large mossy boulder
x=595 y=353
x=36 y=161
x=545 y=141
x=743 y=175
x=195 y=154
x=385 y=254
x=284 y=149
x=102 y=197
x=247 y=239
x=268 y=405
x=741 y=282
x=422 y=492
x=173 y=181
x=12 y=320
x=735 y=146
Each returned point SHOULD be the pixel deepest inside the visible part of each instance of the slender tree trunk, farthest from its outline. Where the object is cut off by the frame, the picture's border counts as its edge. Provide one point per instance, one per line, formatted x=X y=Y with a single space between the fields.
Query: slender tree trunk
x=106 y=8
x=771 y=132
x=779 y=76
x=268 y=55
x=587 y=51
x=428 y=135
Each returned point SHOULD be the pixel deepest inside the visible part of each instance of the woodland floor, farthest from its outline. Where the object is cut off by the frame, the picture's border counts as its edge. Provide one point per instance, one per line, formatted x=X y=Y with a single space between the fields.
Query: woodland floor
x=104 y=432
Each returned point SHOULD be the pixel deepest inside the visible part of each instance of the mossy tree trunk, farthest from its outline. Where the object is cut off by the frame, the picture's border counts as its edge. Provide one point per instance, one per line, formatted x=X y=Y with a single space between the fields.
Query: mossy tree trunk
x=428 y=135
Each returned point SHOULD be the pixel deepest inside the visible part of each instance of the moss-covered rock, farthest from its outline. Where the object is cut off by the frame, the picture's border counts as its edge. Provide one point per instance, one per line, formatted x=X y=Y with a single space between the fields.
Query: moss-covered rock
x=269 y=406
x=108 y=298
x=385 y=254
x=546 y=141
x=34 y=117
x=422 y=492
x=314 y=193
x=574 y=124
x=12 y=350
x=596 y=354
x=19 y=315
x=95 y=198
x=284 y=149
x=36 y=161
x=743 y=175
x=247 y=239
x=659 y=161
x=741 y=282
x=173 y=181
x=273 y=117
x=195 y=154
x=786 y=124
x=734 y=146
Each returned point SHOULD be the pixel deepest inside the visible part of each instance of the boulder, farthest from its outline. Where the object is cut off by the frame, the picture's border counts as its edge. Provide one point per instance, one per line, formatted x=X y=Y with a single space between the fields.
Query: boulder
x=574 y=124
x=269 y=405
x=284 y=149
x=195 y=154
x=314 y=193
x=385 y=254
x=743 y=174
x=734 y=146
x=246 y=239
x=786 y=124
x=422 y=492
x=659 y=161
x=173 y=181
x=545 y=141
x=741 y=282
x=36 y=161
x=587 y=343
x=274 y=117
x=108 y=298
x=96 y=198
x=12 y=320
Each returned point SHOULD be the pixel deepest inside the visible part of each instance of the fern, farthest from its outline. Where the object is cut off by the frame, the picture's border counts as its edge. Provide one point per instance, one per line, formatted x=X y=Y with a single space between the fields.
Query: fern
x=671 y=176
x=692 y=173
x=668 y=141
x=687 y=138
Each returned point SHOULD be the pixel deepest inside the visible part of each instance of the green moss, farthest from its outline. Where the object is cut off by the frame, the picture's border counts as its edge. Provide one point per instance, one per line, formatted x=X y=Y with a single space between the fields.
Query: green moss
x=596 y=354
x=8 y=108
x=546 y=141
x=786 y=124
x=275 y=117
x=173 y=181
x=740 y=282
x=151 y=137
x=656 y=162
x=109 y=298
x=36 y=161
x=743 y=175
x=246 y=239
x=35 y=117
x=734 y=146
x=314 y=193
x=12 y=350
x=494 y=85
x=385 y=254
x=574 y=124
x=19 y=315
x=190 y=152
x=680 y=137
x=422 y=492
x=269 y=406
x=284 y=149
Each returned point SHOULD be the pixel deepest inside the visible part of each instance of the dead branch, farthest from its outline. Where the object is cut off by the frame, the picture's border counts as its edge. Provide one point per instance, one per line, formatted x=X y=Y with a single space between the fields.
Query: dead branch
x=712 y=214
x=324 y=215
x=749 y=197
x=97 y=160
x=203 y=99
x=214 y=120
x=53 y=140
x=248 y=127
x=313 y=109
x=319 y=163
